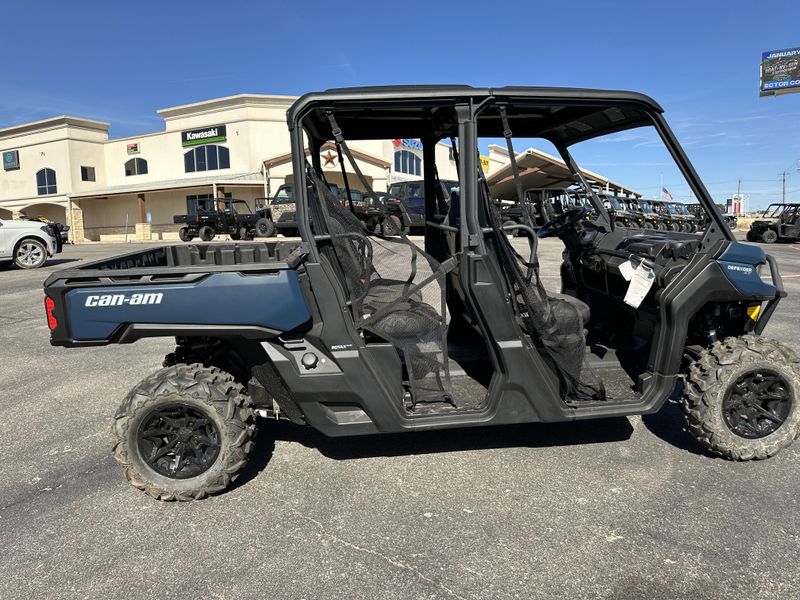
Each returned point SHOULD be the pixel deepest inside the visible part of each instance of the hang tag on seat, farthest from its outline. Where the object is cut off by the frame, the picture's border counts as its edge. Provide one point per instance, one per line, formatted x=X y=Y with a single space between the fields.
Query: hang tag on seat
x=626 y=269
x=641 y=281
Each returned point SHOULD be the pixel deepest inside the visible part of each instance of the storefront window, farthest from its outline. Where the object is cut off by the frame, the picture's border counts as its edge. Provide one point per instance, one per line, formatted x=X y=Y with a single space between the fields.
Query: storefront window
x=46 y=182
x=136 y=166
x=207 y=158
x=407 y=162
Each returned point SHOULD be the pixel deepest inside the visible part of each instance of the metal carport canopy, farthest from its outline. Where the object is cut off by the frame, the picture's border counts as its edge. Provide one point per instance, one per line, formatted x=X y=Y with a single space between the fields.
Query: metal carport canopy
x=538 y=169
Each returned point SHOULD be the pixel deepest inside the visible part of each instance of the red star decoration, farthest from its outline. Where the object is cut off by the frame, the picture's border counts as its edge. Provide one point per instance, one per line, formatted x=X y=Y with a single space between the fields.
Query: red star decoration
x=330 y=159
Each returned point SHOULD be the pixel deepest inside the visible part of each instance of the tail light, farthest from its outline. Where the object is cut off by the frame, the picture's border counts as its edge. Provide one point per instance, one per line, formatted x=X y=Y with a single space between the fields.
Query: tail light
x=49 y=306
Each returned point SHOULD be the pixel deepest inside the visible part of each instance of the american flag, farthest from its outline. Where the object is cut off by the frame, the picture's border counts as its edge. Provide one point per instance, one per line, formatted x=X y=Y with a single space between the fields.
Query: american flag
x=665 y=194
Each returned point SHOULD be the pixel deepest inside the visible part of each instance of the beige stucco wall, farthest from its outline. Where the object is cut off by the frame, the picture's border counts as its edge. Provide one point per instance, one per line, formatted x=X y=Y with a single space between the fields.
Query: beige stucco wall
x=255 y=128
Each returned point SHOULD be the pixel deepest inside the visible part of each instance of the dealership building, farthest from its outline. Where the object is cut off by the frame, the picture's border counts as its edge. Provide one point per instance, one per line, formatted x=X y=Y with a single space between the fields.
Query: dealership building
x=68 y=169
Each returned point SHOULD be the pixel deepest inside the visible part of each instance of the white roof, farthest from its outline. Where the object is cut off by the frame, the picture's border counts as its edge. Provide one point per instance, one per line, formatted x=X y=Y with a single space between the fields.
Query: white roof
x=539 y=169
x=254 y=178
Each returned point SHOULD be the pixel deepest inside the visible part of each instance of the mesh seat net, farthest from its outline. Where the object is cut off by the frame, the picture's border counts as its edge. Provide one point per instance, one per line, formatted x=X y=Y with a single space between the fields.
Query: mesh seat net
x=555 y=325
x=396 y=292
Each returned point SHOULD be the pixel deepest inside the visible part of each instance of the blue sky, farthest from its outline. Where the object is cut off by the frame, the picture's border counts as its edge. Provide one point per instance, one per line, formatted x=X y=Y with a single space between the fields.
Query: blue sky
x=122 y=61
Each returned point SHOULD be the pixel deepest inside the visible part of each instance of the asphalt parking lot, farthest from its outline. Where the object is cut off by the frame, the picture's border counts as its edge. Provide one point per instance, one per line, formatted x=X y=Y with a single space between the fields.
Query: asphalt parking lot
x=626 y=508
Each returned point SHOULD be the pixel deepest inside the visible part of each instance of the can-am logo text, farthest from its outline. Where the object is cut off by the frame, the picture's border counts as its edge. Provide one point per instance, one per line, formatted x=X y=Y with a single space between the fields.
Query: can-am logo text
x=123 y=299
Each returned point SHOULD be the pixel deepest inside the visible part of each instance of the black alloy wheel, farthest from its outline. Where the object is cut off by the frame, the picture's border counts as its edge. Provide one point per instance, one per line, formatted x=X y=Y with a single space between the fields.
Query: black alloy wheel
x=757 y=404
x=178 y=441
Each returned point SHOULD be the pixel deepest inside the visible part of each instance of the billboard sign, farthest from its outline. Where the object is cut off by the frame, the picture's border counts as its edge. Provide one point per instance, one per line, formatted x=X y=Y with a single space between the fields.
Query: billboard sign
x=780 y=72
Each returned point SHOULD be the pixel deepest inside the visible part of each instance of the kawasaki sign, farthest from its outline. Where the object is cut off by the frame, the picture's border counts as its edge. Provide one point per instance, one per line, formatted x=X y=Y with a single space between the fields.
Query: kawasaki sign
x=206 y=135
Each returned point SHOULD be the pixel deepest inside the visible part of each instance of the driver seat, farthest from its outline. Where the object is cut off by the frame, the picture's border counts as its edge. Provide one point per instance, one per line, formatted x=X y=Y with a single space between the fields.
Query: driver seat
x=558 y=300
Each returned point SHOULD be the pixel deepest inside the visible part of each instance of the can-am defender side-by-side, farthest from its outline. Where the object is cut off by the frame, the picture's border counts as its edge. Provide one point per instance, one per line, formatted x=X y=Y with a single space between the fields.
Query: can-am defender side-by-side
x=355 y=333
x=224 y=216
x=778 y=222
x=646 y=214
x=619 y=212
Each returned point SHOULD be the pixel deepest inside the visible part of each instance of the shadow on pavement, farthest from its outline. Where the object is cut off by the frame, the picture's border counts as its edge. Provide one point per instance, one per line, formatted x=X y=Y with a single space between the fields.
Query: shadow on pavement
x=60 y=261
x=538 y=435
x=668 y=425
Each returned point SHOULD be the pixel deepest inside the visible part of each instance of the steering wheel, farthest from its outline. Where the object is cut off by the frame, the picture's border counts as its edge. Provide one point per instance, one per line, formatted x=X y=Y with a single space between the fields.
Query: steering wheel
x=561 y=223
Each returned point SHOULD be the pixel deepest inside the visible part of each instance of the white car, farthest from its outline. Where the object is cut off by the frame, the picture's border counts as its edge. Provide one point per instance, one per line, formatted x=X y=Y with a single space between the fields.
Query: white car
x=27 y=244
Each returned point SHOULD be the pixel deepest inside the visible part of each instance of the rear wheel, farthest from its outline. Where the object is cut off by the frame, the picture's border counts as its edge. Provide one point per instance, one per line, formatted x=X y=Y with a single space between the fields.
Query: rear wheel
x=184 y=433
x=741 y=398
x=30 y=254
x=264 y=228
x=185 y=235
x=509 y=223
x=391 y=226
x=770 y=236
x=206 y=233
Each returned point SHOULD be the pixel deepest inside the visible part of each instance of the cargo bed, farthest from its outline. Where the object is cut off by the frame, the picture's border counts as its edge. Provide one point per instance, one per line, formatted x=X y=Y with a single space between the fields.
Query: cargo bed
x=246 y=289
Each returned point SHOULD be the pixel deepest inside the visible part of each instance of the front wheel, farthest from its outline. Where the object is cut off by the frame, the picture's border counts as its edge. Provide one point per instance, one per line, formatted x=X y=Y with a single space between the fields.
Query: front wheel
x=30 y=254
x=752 y=236
x=741 y=398
x=770 y=236
x=391 y=225
x=207 y=233
x=185 y=235
x=264 y=228
x=184 y=433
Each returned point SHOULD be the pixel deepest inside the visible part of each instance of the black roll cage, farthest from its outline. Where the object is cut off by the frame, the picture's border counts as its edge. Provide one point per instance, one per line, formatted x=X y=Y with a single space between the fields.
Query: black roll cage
x=467 y=104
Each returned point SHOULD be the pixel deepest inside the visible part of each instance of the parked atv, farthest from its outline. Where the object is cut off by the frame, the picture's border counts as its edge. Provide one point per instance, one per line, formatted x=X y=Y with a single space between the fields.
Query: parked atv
x=779 y=222
x=619 y=212
x=232 y=217
x=370 y=210
x=354 y=334
x=687 y=220
x=673 y=221
x=645 y=214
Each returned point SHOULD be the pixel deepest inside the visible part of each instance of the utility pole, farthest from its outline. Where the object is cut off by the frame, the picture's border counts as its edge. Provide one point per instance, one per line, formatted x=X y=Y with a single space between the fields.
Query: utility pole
x=783 y=181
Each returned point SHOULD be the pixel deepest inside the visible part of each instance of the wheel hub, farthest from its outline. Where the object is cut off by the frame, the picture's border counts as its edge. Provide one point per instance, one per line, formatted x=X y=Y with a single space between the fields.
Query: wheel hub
x=757 y=404
x=178 y=441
